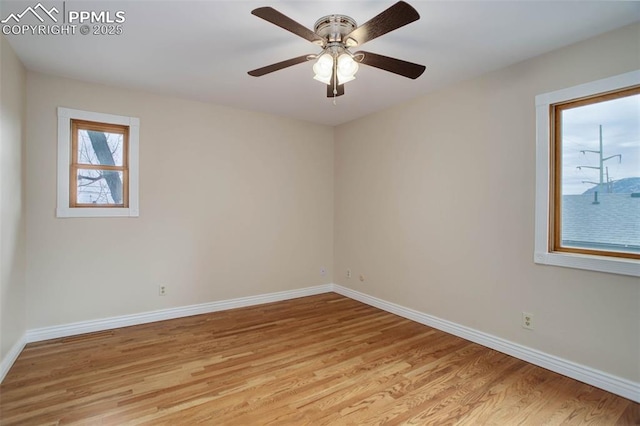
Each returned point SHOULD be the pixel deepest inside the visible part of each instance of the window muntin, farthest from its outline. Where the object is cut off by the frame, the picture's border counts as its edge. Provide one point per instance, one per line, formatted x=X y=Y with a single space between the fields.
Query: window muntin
x=595 y=209
x=99 y=165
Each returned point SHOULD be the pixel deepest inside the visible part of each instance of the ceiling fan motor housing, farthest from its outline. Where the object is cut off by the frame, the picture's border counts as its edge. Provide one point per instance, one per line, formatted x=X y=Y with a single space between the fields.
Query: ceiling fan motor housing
x=333 y=28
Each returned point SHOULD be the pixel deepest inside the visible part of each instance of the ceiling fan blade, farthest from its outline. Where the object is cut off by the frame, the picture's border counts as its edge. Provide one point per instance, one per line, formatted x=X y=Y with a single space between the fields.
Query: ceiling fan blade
x=271 y=15
x=278 y=66
x=398 y=15
x=396 y=66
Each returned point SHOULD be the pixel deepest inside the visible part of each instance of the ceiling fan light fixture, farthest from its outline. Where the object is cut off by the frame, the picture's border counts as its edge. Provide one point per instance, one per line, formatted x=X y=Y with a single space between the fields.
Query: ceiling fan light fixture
x=336 y=34
x=322 y=79
x=323 y=68
x=346 y=68
x=346 y=65
x=342 y=79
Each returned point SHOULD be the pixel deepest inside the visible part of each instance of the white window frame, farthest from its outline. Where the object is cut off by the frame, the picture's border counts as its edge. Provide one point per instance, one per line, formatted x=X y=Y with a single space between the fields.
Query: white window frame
x=542 y=255
x=65 y=115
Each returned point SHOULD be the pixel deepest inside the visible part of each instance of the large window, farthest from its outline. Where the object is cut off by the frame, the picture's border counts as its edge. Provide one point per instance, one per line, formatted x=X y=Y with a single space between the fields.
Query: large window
x=588 y=176
x=596 y=175
x=97 y=164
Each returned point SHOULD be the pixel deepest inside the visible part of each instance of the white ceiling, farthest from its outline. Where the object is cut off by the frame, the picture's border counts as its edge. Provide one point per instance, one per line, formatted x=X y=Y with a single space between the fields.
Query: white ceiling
x=203 y=49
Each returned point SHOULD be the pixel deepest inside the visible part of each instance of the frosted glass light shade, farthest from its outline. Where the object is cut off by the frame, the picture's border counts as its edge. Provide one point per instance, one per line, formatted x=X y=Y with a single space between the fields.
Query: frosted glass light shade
x=323 y=68
x=346 y=65
x=347 y=68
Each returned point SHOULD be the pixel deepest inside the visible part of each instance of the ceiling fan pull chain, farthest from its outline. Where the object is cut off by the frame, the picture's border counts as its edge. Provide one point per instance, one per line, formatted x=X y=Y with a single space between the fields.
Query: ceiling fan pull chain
x=335 y=79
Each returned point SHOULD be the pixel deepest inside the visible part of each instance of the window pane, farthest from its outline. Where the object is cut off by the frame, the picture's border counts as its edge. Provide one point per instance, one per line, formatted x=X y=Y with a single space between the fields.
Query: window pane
x=99 y=187
x=601 y=175
x=100 y=148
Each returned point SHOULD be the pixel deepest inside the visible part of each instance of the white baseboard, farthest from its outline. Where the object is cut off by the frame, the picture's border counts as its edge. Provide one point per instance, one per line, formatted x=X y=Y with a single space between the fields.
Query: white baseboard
x=597 y=378
x=65 y=330
x=11 y=357
x=600 y=379
x=91 y=326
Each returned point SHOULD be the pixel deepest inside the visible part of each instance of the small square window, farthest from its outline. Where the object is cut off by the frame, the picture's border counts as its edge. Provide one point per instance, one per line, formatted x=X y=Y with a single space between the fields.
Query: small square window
x=97 y=164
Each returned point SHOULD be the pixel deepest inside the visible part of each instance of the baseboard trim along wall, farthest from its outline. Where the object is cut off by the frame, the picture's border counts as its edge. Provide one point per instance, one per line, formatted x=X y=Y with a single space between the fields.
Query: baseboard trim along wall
x=46 y=333
x=597 y=378
x=591 y=376
x=11 y=357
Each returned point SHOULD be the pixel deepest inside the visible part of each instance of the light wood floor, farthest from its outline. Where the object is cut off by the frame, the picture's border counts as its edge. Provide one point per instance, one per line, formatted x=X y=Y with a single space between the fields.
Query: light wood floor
x=316 y=360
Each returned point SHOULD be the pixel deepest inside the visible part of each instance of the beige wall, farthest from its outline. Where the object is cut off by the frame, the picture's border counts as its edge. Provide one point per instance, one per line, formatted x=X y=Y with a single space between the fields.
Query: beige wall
x=434 y=204
x=12 y=215
x=232 y=204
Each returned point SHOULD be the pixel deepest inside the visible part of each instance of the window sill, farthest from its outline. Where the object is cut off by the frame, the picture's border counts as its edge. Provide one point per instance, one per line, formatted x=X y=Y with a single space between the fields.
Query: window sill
x=593 y=263
x=96 y=212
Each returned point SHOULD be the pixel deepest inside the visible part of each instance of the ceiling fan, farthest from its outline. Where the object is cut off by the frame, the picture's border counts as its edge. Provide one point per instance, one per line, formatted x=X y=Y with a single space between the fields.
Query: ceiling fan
x=336 y=35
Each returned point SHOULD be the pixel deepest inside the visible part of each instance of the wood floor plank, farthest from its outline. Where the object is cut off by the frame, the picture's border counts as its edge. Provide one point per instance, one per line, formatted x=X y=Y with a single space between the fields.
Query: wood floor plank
x=321 y=360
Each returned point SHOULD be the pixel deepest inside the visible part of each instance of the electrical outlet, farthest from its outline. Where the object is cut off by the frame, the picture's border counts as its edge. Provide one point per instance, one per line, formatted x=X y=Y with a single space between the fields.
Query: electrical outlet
x=162 y=290
x=348 y=273
x=323 y=271
x=527 y=321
